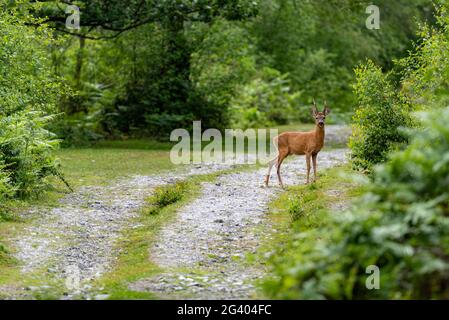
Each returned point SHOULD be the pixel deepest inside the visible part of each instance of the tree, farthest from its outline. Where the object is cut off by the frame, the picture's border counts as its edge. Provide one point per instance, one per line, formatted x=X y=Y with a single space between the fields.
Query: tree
x=164 y=94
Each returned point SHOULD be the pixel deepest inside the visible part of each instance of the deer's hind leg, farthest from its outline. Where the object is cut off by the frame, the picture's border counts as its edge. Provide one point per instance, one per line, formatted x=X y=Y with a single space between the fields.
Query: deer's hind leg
x=308 y=156
x=280 y=159
x=270 y=166
x=314 y=165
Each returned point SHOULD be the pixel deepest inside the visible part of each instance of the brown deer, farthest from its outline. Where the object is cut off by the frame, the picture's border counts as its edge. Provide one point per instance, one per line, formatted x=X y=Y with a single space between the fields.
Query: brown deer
x=300 y=143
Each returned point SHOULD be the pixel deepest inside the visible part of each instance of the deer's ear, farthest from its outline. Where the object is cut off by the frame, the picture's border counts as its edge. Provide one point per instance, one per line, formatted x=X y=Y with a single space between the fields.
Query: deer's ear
x=327 y=111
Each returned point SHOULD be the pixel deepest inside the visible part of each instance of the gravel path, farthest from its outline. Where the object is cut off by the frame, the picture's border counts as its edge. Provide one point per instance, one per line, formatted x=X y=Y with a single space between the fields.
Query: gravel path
x=212 y=235
x=79 y=237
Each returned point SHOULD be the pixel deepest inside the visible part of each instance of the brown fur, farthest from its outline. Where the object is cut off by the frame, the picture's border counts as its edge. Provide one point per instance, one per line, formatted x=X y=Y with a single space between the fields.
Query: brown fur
x=300 y=143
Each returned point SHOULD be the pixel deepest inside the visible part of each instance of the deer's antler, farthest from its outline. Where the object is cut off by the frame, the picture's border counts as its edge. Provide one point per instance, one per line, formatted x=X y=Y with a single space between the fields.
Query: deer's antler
x=314 y=109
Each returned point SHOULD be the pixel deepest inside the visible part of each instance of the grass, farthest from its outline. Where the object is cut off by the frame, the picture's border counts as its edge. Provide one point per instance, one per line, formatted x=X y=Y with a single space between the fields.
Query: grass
x=91 y=166
x=9 y=271
x=301 y=209
x=134 y=144
x=305 y=207
x=301 y=203
x=5 y=259
x=8 y=225
x=133 y=262
x=296 y=127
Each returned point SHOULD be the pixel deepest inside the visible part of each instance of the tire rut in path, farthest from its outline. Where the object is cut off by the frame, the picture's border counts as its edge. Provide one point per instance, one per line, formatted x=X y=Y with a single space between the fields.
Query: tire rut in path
x=212 y=235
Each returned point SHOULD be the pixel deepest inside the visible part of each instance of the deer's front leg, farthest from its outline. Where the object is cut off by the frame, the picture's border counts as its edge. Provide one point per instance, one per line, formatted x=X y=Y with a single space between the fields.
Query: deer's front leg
x=308 y=167
x=314 y=166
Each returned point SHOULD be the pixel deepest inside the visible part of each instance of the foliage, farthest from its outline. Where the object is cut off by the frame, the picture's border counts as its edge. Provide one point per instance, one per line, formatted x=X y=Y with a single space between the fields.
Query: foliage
x=78 y=129
x=6 y=189
x=401 y=224
x=378 y=119
x=223 y=61
x=166 y=195
x=319 y=42
x=295 y=208
x=116 y=16
x=28 y=95
x=158 y=96
x=26 y=151
x=264 y=101
x=426 y=71
x=384 y=107
x=161 y=65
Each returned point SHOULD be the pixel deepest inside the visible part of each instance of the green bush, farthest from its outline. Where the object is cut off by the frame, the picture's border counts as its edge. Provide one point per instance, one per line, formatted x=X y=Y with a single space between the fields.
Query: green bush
x=427 y=70
x=78 y=130
x=296 y=208
x=26 y=151
x=378 y=119
x=400 y=224
x=6 y=190
x=166 y=195
x=28 y=96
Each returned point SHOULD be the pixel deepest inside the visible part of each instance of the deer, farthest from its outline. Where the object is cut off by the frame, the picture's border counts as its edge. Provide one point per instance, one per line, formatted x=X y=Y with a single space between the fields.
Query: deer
x=300 y=143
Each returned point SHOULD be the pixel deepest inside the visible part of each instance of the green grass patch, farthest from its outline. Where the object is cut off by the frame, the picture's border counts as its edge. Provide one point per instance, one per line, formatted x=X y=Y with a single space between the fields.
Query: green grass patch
x=303 y=203
x=166 y=195
x=7 y=212
x=4 y=257
x=91 y=166
x=134 y=144
x=9 y=267
x=304 y=208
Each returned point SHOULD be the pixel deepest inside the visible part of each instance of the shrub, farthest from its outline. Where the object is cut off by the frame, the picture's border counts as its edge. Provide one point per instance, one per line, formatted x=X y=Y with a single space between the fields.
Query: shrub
x=401 y=225
x=78 y=130
x=426 y=71
x=28 y=98
x=296 y=208
x=377 y=121
x=6 y=190
x=26 y=152
x=166 y=195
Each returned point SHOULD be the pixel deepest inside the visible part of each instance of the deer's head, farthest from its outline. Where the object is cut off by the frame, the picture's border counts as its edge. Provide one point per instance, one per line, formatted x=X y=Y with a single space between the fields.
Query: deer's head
x=320 y=117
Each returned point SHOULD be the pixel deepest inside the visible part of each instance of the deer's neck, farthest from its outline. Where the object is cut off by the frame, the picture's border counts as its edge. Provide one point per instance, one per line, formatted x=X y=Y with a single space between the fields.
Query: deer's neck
x=319 y=134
